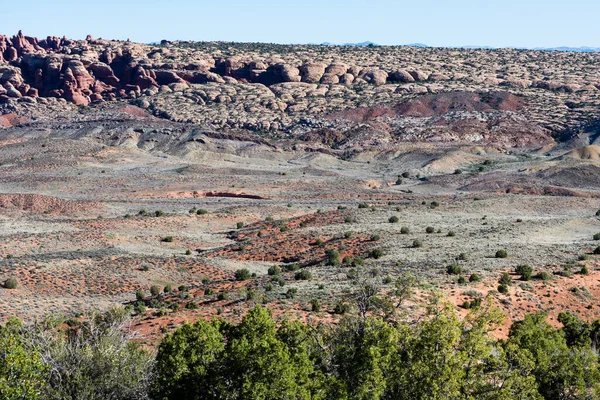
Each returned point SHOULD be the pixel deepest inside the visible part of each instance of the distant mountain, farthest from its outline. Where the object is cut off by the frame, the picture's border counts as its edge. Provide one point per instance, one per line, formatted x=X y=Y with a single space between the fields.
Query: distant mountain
x=583 y=49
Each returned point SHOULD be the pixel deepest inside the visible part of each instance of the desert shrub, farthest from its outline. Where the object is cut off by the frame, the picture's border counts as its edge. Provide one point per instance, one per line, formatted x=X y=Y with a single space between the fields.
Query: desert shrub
x=349 y=219
x=347 y=260
x=434 y=204
x=347 y=235
x=168 y=239
x=525 y=271
x=188 y=252
x=357 y=262
x=239 y=225
x=191 y=305
x=598 y=213
x=375 y=238
x=451 y=234
x=291 y=293
x=582 y=257
x=182 y=288
x=457 y=171
x=462 y=257
x=597 y=250
x=474 y=278
x=542 y=276
x=333 y=257
x=291 y=267
x=503 y=289
x=168 y=289
x=159 y=213
x=404 y=230
x=303 y=275
x=274 y=270
x=278 y=280
x=461 y=280
x=284 y=229
x=315 y=306
x=269 y=287
x=584 y=270
x=393 y=220
x=201 y=211
x=154 y=290
x=139 y=295
x=430 y=229
x=140 y=307
x=417 y=243
x=341 y=308
x=363 y=205
x=501 y=254
x=505 y=279
x=209 y=292
x=222 y=296
x=242 y=274
x=596 y=236
x=11 y=283
x=376 y=253
x=454 y=269
x=387 y=280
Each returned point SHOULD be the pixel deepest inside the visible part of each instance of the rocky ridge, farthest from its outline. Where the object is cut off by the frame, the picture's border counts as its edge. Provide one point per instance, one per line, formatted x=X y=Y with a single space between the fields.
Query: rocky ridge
x=297 y=90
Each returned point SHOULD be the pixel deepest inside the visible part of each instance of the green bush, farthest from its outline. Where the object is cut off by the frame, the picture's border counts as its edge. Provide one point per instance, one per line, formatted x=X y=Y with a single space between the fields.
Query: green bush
x=315 y=306
x=154 y=290
x=191 y=305
x=201 y=212
x=597 y=236
x=503 y=289
x=363 y=205
x=168 y=239
x=303 y=275
x=505 y=279
x=274 y=270
x=375 y=238
x=393 y=220
x=501 y=254
x=451 y=234
x=242 y=274
x=404 y=230
x=597 y=250
x=461 y=280
x=222 y=296
x=525 y=271
x=240 y=225
x=454 y=269
x=333 y=257
x=168 y=289
x=474 y=278
x=11 y=283
x=417 y=243
x=430 y=229
x=159 y=213
x=376 y=254
x=139 y=295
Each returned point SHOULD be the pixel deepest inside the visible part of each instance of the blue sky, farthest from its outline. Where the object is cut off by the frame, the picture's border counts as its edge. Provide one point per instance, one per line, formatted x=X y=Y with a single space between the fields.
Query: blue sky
x=520 y=23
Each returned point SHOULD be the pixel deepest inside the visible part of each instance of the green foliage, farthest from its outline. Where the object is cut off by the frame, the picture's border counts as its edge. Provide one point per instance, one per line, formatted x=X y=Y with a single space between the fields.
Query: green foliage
x=333 y=257
x=430 y=229
x=394 y=219
x=154 y=290
x=525 y=271
x=505 y=279
x=201 y=211
x=11 y=283
x=454 y=269
x=363 y=205
x=303 y=275
x=405 y=230
x=168 y=239
x=242 y=274
x=596 y=236
x=597 y=250
x=417 y=243
x=501 y=254
x=376 y=253
x=474 y=278
x=239 y=225
x=22 y=371
x=274 y=270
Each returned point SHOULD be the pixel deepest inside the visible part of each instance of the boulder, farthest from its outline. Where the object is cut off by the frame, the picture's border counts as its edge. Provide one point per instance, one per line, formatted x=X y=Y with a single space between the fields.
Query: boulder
x=374 y=76
x=312 y=72
x=401 y=76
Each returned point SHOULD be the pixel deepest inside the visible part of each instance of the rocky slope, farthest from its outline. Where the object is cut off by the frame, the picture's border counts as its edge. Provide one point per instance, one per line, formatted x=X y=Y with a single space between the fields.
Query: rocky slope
x=396 y=94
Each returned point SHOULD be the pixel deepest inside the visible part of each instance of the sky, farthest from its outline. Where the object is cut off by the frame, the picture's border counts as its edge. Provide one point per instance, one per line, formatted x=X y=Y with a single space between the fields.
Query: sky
x=508 y=23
